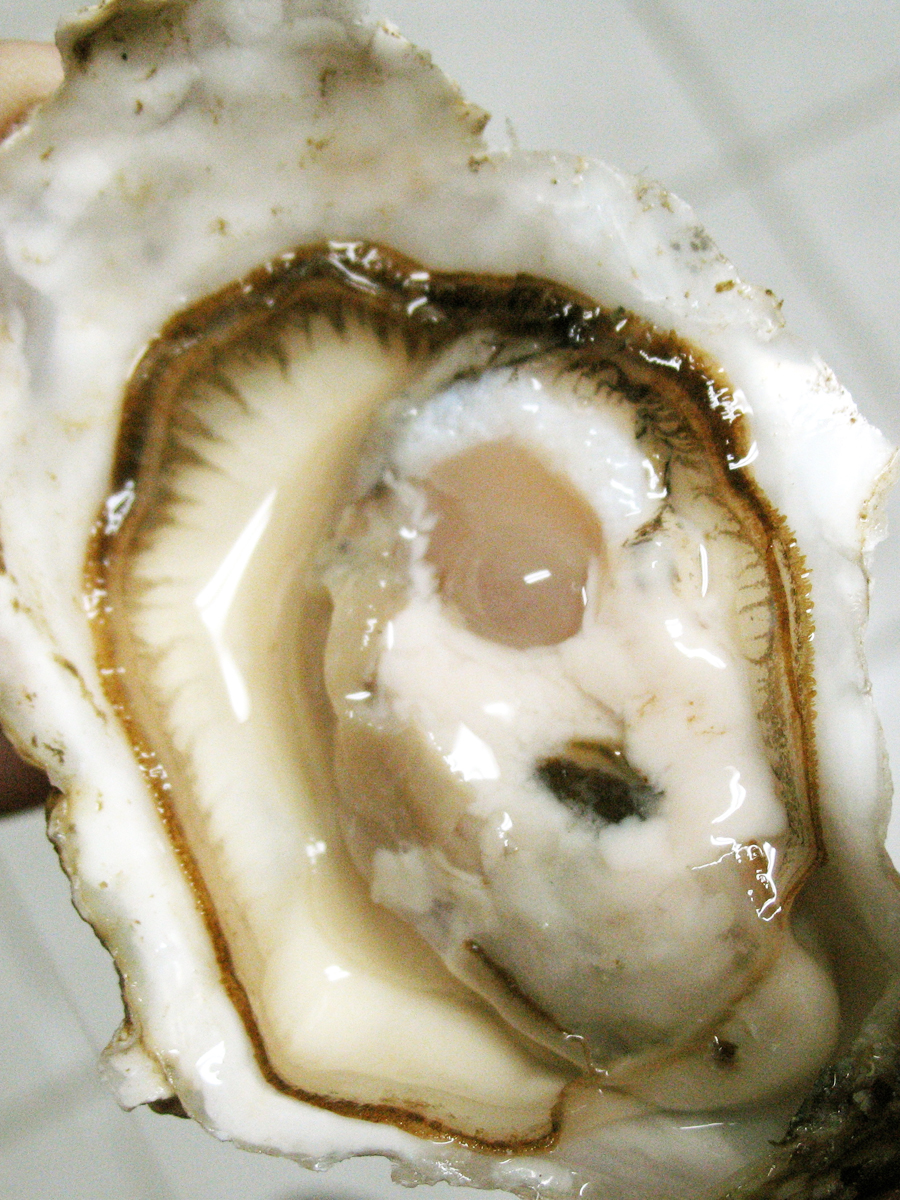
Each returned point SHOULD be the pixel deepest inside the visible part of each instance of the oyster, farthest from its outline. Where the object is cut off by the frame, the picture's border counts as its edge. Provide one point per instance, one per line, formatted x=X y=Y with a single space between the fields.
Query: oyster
x=426 y=577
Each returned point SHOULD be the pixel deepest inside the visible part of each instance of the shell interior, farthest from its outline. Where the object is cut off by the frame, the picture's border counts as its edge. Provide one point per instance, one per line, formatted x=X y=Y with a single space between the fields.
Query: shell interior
x=343 y=444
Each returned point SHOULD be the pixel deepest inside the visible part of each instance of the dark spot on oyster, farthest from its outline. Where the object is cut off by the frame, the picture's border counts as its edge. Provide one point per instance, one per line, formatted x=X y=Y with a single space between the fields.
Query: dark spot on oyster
x=598 y=781
x=724 y=1053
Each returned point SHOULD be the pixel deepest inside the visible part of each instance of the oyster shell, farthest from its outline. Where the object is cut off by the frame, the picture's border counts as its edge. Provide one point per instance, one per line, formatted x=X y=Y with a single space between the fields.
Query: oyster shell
x=393 y=255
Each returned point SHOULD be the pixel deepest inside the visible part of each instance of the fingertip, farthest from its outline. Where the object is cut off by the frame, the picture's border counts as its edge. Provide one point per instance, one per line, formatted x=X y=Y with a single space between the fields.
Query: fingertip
x=22 y=786
x=29 y=73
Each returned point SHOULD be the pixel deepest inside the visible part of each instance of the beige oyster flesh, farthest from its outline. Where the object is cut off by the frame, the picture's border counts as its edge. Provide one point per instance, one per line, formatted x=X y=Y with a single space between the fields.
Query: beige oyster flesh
x=434 y=583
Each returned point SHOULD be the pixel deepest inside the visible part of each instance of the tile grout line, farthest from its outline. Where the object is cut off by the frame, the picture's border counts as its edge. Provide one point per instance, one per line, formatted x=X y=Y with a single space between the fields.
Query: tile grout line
x=759 y=157
x=34 y=1111
x=15 y=916
x=33 y=955
x=738 y=147
x=804 y=254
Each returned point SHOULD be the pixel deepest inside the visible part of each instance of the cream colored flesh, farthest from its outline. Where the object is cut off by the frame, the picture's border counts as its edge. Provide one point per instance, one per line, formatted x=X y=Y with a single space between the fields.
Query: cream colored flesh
x=645 y=938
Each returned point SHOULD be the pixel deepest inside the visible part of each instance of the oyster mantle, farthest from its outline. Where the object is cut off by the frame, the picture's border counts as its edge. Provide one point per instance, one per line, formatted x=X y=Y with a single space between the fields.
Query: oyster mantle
x=58 y=235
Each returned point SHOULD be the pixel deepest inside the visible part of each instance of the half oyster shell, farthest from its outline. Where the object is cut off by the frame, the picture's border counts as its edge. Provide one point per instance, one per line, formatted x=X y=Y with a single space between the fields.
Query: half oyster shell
x=315 y=959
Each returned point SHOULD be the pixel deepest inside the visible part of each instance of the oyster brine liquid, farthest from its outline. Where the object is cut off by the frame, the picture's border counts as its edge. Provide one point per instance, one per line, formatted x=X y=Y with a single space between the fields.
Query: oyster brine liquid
x=425 y=814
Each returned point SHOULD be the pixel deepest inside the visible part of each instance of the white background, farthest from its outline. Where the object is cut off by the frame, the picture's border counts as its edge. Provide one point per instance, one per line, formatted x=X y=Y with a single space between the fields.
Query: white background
x=779 y=120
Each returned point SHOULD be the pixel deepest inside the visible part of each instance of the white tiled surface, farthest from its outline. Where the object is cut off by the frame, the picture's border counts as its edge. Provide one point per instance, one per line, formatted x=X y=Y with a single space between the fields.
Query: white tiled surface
x=780 y=121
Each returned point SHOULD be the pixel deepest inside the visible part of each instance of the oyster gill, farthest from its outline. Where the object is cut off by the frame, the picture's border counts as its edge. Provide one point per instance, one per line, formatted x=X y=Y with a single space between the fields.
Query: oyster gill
x=215 y=246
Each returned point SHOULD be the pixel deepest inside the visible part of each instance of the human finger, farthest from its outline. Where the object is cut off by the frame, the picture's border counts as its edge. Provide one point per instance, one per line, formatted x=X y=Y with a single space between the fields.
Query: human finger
x=29 y=73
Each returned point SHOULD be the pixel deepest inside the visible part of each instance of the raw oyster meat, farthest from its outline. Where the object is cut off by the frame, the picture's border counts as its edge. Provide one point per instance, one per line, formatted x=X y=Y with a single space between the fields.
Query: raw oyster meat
x=427 y=583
